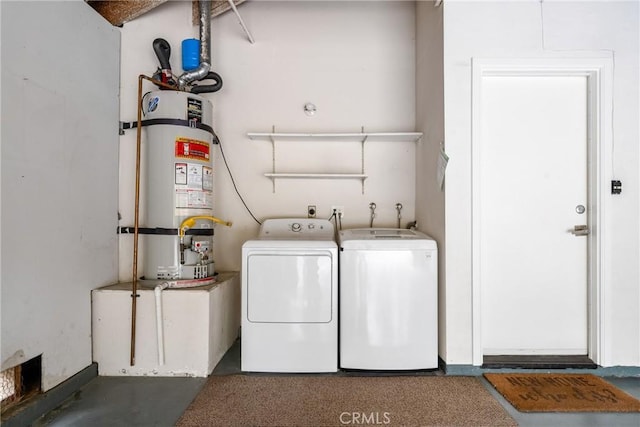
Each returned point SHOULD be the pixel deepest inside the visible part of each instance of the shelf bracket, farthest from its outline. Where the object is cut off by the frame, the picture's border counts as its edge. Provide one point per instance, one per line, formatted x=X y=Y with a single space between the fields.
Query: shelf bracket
x=273 y=157
x=366 y=136
x=362 y=159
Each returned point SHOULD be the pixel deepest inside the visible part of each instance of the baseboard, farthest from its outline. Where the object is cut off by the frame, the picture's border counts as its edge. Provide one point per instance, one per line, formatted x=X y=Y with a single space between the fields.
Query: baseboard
x=26 y=413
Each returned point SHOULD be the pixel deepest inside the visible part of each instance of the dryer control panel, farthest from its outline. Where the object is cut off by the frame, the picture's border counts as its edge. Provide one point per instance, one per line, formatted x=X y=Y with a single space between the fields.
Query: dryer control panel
x=297 y=228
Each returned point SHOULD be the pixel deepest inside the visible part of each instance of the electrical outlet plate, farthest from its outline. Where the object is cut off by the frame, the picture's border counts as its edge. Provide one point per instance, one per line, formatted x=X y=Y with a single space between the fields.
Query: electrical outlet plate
x=311 y=211
x=339 y=210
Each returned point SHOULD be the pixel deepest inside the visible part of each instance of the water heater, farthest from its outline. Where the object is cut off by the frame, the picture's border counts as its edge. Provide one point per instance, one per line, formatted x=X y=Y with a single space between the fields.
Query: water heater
x=177 y=165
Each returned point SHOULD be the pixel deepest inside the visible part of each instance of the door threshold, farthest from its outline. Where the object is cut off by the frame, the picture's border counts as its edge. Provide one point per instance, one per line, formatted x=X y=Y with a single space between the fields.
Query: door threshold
x=538 y=362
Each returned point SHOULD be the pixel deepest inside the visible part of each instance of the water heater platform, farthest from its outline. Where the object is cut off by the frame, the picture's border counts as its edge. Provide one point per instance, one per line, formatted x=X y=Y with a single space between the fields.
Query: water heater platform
x=200 y=325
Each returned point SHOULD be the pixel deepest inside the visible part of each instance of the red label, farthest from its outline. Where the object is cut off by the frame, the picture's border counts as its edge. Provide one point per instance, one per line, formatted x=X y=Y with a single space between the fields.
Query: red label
x=192 y=149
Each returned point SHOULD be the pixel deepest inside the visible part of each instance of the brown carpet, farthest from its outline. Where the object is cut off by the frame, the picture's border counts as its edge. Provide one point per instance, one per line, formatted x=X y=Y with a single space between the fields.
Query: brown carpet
x=562 y=393
x=239 y=400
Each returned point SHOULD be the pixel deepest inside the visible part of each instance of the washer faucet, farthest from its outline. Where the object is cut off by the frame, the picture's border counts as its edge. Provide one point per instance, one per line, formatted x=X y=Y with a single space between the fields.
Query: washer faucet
x=372 y=208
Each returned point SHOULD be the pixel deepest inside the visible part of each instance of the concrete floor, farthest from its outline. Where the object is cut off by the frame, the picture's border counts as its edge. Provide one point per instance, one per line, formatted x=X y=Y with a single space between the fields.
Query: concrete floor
x=145 y=401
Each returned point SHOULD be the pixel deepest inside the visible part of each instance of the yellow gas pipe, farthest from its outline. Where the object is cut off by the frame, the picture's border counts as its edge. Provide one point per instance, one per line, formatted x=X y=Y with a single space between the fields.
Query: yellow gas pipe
x=189 y=223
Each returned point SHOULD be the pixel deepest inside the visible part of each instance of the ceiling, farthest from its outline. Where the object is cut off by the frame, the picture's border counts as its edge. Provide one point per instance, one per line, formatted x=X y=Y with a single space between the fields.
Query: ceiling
x=118 y=12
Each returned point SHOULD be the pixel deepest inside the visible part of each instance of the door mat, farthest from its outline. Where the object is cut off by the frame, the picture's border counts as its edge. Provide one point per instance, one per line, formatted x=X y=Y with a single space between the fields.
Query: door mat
x=259 y=400
x=562 y=393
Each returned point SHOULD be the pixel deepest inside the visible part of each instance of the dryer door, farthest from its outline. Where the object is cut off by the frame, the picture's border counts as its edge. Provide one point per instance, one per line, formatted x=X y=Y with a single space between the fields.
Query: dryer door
x=289 y=287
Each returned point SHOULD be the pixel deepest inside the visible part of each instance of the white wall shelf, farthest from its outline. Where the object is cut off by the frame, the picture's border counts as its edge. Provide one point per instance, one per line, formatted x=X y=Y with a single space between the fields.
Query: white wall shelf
x=317 y=175
x=360 y=137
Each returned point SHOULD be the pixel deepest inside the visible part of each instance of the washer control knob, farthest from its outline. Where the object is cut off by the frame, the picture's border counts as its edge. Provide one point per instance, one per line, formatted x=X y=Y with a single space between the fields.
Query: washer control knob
x=296 y=227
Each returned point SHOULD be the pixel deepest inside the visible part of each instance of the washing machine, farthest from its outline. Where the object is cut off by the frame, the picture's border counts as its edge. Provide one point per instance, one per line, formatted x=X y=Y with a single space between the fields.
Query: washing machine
x=388 y=300
x=290 y=298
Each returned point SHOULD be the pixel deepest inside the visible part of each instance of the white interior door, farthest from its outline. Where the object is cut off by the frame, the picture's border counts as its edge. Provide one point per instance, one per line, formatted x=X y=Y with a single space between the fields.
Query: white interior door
x=533 y=179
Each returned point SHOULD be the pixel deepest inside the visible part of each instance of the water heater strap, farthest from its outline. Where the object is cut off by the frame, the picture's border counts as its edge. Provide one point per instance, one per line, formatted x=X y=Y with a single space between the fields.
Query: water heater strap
x=174 y=122
x=166 y=231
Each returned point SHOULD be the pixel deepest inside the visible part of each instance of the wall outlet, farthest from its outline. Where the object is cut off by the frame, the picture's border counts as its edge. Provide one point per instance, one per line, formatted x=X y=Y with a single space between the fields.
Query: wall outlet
x=339 y=210
x=311 y=211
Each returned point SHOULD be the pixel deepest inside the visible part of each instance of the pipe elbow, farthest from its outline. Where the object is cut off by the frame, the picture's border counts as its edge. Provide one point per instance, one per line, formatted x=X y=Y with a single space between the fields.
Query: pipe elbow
x=198 y=74
x=159 y=288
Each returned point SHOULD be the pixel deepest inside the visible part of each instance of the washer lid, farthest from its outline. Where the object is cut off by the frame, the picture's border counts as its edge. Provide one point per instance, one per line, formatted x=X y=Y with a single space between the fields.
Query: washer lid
x=385 y=238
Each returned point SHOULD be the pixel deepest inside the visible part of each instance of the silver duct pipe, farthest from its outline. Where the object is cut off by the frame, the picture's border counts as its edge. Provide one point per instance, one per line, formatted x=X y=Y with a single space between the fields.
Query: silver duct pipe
x=205 y=47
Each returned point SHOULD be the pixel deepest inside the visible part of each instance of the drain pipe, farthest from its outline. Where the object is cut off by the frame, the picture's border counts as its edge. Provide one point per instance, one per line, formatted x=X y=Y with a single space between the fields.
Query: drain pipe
x=180 y=284
x=159 y=323
x=205 y=49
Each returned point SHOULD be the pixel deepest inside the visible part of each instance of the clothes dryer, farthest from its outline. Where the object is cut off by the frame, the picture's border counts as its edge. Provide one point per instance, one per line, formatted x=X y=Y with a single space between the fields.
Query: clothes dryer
x=388 y=300
x=290 y=298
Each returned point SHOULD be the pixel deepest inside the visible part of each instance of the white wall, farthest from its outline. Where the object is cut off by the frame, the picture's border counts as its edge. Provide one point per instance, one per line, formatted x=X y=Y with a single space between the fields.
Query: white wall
x=60 y=64
x=535 y=29
x=354 y=60
x=430 y=120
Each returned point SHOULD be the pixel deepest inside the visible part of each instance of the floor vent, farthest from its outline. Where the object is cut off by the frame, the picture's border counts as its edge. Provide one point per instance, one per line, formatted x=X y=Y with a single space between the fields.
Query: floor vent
x=20 y=383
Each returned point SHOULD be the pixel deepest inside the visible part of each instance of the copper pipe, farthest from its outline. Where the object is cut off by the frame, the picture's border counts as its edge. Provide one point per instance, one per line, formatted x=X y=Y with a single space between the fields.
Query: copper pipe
x=136 y=221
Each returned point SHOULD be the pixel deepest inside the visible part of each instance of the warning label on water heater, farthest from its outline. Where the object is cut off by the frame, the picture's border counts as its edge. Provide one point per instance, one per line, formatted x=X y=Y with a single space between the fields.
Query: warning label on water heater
x=194 y=186
x=193 y=199
x=187 y=148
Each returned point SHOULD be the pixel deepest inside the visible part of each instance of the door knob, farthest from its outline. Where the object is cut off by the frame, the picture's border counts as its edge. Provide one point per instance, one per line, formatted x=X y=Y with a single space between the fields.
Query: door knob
x=580 y=230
